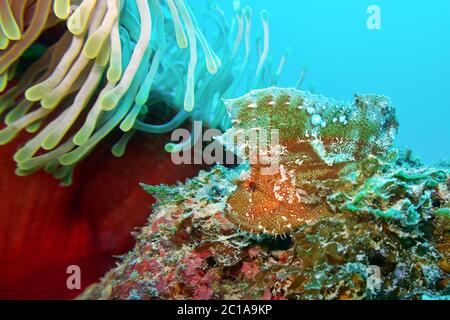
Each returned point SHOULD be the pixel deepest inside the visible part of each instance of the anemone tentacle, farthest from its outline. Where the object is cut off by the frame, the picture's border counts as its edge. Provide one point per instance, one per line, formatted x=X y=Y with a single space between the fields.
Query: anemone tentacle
x=115 y=65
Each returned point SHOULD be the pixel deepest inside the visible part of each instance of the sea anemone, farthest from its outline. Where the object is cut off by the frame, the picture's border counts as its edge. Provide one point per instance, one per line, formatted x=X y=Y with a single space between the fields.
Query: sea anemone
x=115 y=66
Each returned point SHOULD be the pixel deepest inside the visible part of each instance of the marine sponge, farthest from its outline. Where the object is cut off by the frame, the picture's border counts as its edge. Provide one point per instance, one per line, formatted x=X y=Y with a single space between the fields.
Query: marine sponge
x=319 y=139
x=114 y=66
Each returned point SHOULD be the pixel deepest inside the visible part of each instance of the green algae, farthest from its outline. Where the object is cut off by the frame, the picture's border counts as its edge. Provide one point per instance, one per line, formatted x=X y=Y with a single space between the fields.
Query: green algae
x=403 y=194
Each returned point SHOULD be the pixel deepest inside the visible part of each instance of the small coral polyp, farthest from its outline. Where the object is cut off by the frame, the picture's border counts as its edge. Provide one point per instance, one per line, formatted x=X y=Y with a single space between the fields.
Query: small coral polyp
x=320 y=139
x=118 y=63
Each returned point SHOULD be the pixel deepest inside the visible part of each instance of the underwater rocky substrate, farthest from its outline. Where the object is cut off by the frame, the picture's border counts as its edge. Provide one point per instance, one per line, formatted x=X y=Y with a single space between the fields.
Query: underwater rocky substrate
x=190 y=250
x=367 y=221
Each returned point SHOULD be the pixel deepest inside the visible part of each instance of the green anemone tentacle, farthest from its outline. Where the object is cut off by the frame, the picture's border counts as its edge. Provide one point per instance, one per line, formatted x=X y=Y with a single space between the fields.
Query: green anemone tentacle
x=118 y=64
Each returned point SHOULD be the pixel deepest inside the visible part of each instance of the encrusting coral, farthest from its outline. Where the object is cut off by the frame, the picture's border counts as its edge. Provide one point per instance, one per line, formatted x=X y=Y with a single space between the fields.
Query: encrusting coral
x=117 y=64
x=382 y=231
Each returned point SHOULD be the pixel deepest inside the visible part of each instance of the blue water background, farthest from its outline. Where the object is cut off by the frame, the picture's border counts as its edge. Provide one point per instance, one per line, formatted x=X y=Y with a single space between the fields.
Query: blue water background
x=408 y=59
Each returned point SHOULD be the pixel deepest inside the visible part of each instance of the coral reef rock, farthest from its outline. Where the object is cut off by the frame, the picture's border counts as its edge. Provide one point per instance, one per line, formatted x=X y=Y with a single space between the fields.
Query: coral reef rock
x=342 y=216
x=385 y=235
